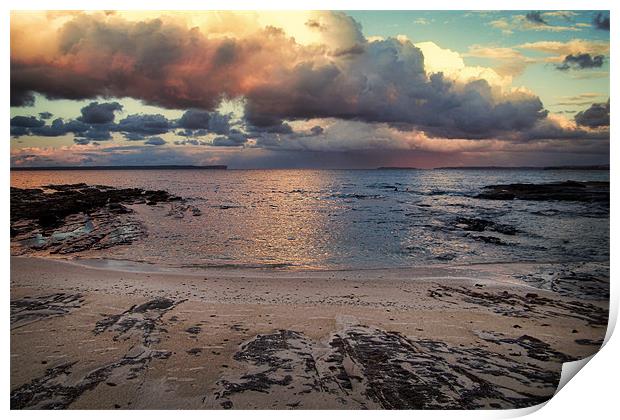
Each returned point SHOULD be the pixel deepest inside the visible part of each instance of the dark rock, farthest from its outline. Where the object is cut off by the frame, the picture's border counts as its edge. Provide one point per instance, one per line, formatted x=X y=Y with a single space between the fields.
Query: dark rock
x=65 y=219
x=393 y=371
x=481 y=225
x=588 y=342
x=489 y=239
x=30 y=309
x=591 y=191
x=194 y=330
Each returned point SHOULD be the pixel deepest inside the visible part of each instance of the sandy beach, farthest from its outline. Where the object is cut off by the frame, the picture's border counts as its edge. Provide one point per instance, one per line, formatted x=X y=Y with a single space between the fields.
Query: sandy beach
x=90 y=334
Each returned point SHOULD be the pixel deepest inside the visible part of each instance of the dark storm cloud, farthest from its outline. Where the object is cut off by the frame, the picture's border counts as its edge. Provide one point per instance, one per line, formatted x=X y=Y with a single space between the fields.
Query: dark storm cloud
x=108 y=56
x=19 y=131
x=97 y=134
x=57 y=128
x=26 y=122
x=99 y=113
x=581 y=61
x=21 y=97
x=45 y=115
x=601 y=21
x=155 y=141
x=195 y=119
x=278 y=127
x=193 y=142
x=147 y=124
x=234 y=138
x=280 y=80
x=595 y=116
x=96 y=122
x=536 y=17
x=388 y=83
x=192 y=133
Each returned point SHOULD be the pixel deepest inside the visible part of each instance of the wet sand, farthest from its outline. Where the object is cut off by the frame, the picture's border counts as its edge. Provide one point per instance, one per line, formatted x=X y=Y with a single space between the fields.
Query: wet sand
x=435 y=337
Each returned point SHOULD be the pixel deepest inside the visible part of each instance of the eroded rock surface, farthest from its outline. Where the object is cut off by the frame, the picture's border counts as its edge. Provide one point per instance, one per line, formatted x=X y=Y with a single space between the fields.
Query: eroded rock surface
x=30 y=309
x=531 y=305
x=365 y=367
x=144 y=320
x=61 y=385
x=64 y=219
x=585 y=280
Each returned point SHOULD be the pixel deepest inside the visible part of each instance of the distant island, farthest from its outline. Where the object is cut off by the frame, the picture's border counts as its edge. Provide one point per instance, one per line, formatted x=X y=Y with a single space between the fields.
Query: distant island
x=397 y=168
x=109 y=168
x=517 y=168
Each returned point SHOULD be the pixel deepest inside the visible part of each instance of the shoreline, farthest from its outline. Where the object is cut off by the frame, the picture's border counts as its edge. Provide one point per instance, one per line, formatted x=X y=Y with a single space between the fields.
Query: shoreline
x=218 y=339
x=123 y=264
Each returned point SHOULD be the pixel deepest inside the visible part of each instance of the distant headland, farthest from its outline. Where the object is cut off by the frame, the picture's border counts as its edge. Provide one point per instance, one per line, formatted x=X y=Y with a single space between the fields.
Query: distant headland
x=115 y=168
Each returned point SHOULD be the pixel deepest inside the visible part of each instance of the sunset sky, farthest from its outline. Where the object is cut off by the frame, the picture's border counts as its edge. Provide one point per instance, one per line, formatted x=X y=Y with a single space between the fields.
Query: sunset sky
x=310 y=89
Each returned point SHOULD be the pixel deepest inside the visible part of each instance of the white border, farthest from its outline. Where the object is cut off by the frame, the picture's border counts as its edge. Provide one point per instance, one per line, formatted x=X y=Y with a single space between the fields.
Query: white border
x=593 y=393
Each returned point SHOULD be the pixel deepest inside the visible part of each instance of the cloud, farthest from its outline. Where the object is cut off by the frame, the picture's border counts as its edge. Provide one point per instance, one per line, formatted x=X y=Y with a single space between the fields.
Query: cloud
x=582 y=99
x=562 y=49
x=133 y=136
x=155 y=141
x=510 y=62
x=45 y=115
x=96 y=133
x=96 y=113
x=597 y=115
x=581 y=61
x=21 y=98
x=531 y=21
x=26 y=122
x=326 y=70
x=535 y=18
x=57 y=128
x=19 y=131
x=193 y=142
x=601 y=21
x=195 y=119
x=145 y=124
x=21 y=125
x=234 y=138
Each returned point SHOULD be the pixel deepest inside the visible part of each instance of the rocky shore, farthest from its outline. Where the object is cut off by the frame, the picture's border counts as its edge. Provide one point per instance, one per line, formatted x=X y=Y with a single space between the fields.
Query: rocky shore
x=432 y=337
x=65 y=219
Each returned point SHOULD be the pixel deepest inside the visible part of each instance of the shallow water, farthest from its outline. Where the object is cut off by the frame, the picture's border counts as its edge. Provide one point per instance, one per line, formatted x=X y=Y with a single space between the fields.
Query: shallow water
x=348 y=218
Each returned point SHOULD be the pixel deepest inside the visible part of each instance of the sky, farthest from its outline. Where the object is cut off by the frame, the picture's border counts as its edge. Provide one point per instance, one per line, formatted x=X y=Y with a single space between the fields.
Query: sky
x=357 y=89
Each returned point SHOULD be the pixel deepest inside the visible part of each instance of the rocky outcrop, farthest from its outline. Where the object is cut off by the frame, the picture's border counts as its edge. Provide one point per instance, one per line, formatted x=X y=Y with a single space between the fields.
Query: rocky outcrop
x=591 y=191
x=64 y=219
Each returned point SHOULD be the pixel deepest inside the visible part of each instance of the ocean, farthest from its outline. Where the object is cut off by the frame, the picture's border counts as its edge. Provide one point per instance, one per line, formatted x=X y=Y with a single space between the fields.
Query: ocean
x=340 y=219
